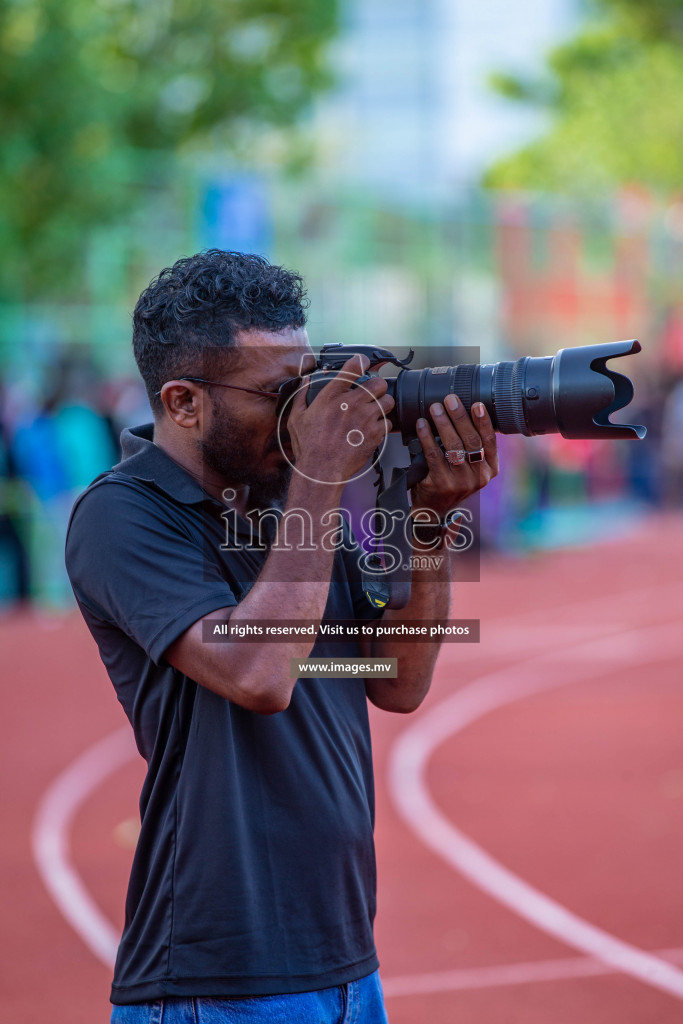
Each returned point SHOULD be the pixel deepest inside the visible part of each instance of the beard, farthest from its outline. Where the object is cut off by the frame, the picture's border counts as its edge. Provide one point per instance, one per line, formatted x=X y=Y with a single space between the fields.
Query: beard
x=237 y=461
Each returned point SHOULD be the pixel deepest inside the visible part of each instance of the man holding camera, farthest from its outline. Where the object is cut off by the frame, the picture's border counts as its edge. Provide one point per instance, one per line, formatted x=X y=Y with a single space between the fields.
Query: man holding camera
x=252 y=892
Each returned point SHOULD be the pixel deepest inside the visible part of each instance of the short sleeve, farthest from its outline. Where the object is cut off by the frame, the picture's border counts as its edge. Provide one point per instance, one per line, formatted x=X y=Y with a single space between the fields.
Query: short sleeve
x=135 y=563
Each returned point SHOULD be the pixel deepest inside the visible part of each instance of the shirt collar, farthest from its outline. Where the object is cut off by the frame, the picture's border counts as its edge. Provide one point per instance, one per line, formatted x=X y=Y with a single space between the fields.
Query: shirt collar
x=145 y=461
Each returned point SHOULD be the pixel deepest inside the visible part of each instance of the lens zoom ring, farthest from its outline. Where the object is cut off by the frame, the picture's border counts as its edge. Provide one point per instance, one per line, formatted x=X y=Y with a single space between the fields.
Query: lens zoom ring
x=508 y=397
x=461 y=384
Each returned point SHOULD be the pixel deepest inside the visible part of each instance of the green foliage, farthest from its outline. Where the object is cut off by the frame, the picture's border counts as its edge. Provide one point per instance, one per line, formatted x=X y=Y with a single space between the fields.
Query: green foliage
x=86 y=85
x=615 y=100
x=647 y=19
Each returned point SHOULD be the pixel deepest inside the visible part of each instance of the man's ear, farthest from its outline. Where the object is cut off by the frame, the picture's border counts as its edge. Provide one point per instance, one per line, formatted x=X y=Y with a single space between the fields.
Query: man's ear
x=184 y=402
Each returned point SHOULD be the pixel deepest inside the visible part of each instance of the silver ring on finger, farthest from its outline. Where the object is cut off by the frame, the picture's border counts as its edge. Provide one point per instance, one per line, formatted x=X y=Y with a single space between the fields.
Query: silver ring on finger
x=456 y=456
x=477 y=456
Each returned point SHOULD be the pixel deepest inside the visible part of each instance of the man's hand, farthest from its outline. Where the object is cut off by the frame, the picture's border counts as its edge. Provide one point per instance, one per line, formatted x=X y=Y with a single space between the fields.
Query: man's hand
x=335 y=435
x=448 y=484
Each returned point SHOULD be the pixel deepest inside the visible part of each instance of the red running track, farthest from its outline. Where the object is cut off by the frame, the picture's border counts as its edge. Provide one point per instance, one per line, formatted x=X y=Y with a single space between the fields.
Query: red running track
x=530 y=825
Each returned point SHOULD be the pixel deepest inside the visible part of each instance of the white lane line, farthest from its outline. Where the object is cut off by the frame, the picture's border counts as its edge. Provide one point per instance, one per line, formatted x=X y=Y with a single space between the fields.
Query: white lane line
x=501 y=975
x=514 y=635
x=408 y=789
x=50 y=839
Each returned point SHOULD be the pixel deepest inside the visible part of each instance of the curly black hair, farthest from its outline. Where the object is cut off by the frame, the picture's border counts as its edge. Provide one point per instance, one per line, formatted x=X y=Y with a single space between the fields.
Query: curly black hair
x=189 y=315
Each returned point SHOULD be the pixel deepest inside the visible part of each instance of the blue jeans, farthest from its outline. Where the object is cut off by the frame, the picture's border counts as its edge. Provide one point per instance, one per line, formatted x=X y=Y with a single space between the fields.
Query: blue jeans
x=358 y=1002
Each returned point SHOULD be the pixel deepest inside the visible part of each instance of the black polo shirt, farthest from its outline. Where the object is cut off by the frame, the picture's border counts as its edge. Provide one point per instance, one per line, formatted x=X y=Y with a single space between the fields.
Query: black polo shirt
x=254 y=873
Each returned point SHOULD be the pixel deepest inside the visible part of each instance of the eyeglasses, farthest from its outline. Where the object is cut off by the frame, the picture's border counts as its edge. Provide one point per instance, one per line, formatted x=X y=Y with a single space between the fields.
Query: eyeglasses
x=288 y=388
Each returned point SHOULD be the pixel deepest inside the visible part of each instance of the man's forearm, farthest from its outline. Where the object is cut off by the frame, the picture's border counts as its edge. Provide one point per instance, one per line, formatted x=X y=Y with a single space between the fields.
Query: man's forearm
x=429 y=599
x=293 y=584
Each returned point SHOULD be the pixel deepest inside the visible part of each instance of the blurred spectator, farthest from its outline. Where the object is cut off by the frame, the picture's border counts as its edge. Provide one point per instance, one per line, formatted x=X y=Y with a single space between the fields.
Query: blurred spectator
x=671 y=449
x=14 y=561
x=643 y=459
x=58 y=446
x=127 y=404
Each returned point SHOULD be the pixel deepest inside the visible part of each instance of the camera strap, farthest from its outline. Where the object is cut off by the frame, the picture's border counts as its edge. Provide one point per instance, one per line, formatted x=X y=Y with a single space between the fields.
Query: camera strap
x=387 y=572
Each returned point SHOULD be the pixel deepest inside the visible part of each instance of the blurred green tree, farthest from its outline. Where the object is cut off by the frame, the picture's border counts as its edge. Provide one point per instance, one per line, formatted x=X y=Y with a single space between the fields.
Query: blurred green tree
x=614 y=98
x=87 y=85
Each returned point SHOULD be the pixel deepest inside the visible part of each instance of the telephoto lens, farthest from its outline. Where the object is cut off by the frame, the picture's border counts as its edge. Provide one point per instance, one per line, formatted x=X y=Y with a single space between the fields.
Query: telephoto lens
x=573 y=393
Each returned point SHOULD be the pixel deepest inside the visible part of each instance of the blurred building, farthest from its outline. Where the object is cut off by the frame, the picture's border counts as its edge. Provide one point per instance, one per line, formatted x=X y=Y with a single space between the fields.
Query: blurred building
x=413 y=111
